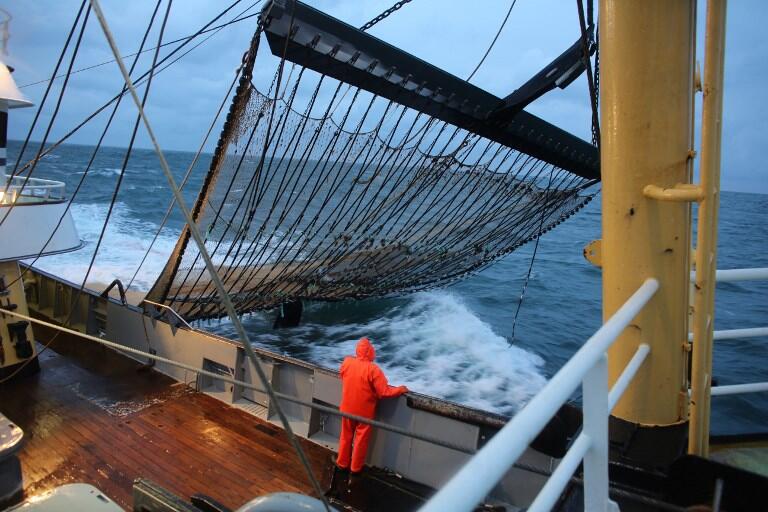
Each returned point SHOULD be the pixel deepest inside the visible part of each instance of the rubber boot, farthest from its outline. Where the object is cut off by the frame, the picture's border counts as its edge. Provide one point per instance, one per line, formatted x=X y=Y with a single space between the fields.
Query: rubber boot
x=338 y=478
x=355 y=479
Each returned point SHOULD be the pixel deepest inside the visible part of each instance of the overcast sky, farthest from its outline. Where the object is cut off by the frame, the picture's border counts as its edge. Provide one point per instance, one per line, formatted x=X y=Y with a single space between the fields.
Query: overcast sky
x=450 y=34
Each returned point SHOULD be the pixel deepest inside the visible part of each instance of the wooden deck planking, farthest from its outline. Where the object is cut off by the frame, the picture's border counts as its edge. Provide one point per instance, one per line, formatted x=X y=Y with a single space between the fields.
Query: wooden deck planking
x=80 y=427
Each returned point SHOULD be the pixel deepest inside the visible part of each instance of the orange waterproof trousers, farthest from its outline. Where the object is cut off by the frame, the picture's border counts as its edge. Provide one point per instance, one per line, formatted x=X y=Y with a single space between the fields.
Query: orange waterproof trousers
x=350 y=451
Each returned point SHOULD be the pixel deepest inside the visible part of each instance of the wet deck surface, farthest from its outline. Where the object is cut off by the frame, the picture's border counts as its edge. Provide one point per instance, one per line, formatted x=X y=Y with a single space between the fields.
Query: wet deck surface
x=102 y=419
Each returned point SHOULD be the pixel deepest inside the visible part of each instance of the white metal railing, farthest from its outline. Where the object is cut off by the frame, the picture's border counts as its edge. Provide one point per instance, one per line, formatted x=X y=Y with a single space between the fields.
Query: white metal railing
x=27 y=190
x=739 y=274
x=737 y=334
x=588 y=367
x=729 y=276
x=738 y=389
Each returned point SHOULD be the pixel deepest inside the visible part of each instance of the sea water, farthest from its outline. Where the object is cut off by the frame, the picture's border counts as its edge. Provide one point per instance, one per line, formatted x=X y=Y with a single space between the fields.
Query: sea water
x=456 y=343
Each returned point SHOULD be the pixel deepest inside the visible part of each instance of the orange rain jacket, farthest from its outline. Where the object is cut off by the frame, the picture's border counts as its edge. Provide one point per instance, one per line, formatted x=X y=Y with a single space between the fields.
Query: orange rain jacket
x=363 y=382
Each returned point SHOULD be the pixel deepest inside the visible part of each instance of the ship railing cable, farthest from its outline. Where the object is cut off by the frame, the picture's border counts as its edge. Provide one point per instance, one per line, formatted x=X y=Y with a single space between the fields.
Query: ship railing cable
x=223 y=294
x=617 y=492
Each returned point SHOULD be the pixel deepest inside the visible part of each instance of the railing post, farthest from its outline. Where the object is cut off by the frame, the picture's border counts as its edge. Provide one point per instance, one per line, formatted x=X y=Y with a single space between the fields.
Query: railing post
x=706 y=246
x=595 y=391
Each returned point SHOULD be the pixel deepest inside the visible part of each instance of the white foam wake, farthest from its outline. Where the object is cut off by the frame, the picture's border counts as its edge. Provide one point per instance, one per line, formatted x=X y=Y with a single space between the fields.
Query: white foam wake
x=125 y=242
x=436 y=345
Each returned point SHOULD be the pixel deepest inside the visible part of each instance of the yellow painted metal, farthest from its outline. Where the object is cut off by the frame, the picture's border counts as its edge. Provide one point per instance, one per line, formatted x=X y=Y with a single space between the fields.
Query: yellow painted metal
x=646 y=89
x=685 y=192
x=706 y=245
x=11 y=275
x=593 y=253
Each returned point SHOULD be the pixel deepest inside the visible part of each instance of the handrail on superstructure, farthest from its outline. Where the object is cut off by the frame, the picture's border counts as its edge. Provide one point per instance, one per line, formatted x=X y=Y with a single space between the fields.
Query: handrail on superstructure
x=14 y=188
x=588 y=366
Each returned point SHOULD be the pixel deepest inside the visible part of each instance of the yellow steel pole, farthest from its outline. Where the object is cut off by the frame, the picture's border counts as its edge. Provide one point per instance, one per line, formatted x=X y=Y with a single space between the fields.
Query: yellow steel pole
x=646 y=89
x=706 y=246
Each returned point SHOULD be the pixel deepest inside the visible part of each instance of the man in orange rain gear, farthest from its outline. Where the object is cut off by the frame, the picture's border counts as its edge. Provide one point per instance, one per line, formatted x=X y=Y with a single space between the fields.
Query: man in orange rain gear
x=363 y=384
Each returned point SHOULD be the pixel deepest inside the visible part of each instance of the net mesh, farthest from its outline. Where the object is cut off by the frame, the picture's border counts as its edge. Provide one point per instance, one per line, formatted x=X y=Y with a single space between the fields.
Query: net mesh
x=322 y=191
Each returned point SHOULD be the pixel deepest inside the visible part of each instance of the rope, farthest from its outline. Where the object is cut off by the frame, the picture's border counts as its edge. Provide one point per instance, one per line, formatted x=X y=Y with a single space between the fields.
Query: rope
x=74 y=195
x=141 y=51
x=209 y=264
x=495 y=38
x=140 y=80
x=326 y=409
x=527 y=278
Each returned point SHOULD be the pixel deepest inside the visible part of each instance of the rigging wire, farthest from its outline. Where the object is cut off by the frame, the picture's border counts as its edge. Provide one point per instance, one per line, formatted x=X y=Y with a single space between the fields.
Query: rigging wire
x=139 y=81
x=528 y=275
x=45 y=97
x=94 y=153
x=495 y=38
x=135 y=129
x=184 y=180
x=243 y=335
x=593 y=101
x=87 y=169
x=185 y=38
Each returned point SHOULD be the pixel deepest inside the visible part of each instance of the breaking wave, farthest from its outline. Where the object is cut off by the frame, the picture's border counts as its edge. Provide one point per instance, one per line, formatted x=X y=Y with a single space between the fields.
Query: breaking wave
x=436 y=345
x=125 y=242
x=431 y=341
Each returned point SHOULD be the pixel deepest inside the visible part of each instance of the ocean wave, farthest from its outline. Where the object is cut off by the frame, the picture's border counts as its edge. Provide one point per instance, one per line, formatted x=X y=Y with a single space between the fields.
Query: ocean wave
x=435 y=344
x=105 y=171
x=125 y=242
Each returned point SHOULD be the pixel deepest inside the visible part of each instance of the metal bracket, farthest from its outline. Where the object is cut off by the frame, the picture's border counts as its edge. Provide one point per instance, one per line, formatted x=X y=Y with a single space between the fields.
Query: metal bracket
x=682 y=192
x=120 y=290
x=169 y=310
x=593 y=253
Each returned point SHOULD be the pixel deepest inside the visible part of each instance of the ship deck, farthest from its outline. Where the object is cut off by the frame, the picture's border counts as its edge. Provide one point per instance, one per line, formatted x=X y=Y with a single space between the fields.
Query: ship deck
x=100 y=418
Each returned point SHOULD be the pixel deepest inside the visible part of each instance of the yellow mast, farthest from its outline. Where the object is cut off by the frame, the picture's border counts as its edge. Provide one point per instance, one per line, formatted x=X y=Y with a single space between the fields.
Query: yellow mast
x=706 y=246
x=646 y=90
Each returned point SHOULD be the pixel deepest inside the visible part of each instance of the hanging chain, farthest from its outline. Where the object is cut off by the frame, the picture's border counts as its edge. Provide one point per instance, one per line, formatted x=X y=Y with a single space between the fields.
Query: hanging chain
x=384 y=14
x=588 y=43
